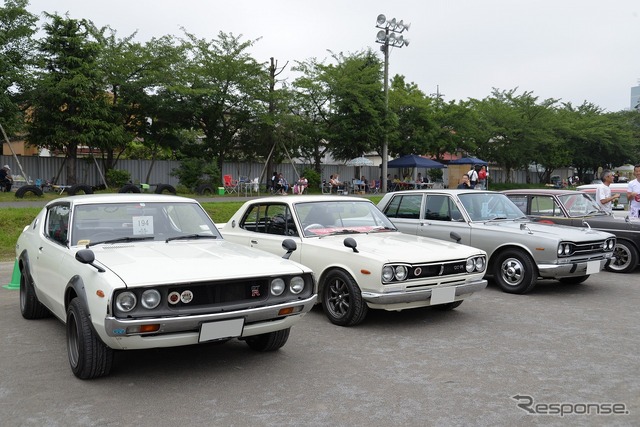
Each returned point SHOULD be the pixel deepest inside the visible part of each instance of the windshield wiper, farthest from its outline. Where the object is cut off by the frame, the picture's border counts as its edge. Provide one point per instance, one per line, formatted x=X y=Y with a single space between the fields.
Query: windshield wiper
x=383 y=228
x=498 y=218
x=121 y=240
x=344 y=231
x=192 y=236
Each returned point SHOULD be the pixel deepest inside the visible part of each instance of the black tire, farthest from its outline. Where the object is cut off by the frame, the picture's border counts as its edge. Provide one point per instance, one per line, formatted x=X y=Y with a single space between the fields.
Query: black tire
x=22 y=191
x=204 y=189
x=161 y=188
x=268 y=342
x=129 y=188
x=448 y=306
x=80 y=188
x=574 y=280
x=89 y=357
x=30 y=307
x=514 y=271
x=342 y=299
x=626 y=258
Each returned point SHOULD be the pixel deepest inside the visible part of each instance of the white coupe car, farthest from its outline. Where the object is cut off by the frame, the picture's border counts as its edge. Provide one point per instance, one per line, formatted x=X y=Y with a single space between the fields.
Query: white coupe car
x=359 y=258
x=139 y=271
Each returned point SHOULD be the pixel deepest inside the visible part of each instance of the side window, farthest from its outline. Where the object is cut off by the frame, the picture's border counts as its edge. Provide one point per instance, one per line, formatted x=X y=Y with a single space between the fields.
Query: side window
x=254 y=220
x=437 y=208
x=407 y=206
x=520 y=202
x=544 y=206
x=57 y=227
x=270 y=219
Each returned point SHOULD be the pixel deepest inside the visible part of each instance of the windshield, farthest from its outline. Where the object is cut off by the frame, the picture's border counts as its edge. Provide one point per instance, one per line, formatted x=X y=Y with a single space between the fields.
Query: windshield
x=336 y=217
x=489 y=206
x=127 y=222
x=580 y=205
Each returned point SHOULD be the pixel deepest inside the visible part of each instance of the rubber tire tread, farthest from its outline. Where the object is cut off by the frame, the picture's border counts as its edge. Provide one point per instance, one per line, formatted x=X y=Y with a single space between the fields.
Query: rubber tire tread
x=269 y=342
x=160 y=188
x=358 y=309
x=129 y=188
x=633 y=256
x=95 y=359
x=75 y=189
x=30 y=306
x=22 y=191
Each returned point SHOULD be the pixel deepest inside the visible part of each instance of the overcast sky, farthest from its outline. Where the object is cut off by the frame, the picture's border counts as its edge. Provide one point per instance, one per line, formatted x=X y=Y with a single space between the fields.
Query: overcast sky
x=572 y=50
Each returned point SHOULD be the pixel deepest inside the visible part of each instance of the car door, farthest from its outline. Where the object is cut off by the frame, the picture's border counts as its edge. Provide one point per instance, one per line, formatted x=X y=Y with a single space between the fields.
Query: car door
x=48 y=274
x=404 y=211
x=441 y=215
x=267 y=225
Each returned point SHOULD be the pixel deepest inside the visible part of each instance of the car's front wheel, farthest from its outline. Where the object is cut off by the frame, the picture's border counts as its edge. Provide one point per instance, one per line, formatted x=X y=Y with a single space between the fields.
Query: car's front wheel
x=269 y=342
x=626 y=258
x=342 y=300
x=30 y=306
x=89 y=357
x=514 y=271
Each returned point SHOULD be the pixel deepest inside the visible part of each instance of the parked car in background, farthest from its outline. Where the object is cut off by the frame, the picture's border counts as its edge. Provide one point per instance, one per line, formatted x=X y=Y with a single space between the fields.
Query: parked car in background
x=520 y=250
x=360 y=260
x=140 y=271
x=619 y=205
x=578 y=209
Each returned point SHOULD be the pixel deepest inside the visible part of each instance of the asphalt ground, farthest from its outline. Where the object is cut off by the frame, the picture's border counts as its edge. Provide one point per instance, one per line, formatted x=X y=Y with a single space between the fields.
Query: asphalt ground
x=570 y=353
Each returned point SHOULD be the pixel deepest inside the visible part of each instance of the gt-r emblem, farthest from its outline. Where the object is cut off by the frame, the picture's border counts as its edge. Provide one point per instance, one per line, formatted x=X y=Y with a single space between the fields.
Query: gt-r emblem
x=255 y=291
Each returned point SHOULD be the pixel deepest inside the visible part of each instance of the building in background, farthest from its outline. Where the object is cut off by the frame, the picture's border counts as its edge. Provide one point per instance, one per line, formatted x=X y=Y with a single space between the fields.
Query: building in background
x=635 y=97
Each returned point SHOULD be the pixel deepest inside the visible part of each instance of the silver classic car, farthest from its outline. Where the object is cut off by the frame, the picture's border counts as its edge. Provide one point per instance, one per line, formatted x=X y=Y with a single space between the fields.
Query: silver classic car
x=140 y=271
x=360 y=260
x=520 y=251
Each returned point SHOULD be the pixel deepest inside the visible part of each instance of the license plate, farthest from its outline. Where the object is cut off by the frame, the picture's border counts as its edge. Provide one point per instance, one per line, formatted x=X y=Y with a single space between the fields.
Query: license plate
x=443 y=295
x=222 y=329
x=593 y=267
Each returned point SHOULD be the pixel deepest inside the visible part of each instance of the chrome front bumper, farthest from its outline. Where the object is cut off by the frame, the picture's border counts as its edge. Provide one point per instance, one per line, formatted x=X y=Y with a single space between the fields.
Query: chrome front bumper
x=420 y=295
x=117 y=327
x=574 y=269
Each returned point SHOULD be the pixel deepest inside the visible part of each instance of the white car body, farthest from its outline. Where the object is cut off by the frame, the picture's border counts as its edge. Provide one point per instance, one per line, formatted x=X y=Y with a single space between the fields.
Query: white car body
x=520 y=251
x=616 y=188
x=349 y=245
x=209 y=288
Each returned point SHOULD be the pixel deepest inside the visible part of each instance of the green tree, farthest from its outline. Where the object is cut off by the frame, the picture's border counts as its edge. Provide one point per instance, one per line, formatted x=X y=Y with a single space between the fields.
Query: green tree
x=70 y=106
x=17 y=27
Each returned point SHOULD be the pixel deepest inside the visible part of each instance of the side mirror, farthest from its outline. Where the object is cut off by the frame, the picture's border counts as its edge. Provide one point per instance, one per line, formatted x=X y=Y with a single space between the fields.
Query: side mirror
x=86 y=256
x=455 y=236
x=350 y=242
x=288 y=245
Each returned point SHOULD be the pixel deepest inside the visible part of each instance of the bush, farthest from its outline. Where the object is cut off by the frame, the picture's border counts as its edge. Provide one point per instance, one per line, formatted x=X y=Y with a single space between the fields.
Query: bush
x=195 y=171
x=117 y=177
x=312 y=176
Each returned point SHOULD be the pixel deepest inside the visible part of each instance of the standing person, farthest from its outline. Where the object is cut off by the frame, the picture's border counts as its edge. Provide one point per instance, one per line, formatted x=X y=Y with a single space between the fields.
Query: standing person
x=464 y=185
x=603 y=192
x=473 y=177
x=482 y=177
x=633 y=193
x=6 y=180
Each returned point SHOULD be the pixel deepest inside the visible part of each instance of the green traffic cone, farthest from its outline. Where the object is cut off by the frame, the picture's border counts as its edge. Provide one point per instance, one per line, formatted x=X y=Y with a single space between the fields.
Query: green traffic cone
x=15 y=279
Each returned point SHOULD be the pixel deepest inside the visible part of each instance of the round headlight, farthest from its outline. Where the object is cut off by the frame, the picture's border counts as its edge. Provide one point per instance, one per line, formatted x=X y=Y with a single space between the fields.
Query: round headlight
x=401 y=272
x=471 y=265
x=567 y=249
x=480 y=264
x=610 y=244
x=277 y=287
x=387 y=274
x=126 y=301
x=150 y=299
x=560 y=250
x=297 y=285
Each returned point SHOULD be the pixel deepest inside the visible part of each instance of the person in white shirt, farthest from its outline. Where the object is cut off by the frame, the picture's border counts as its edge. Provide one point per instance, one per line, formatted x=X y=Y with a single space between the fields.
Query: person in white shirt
x=473 y=177
x=633 y=193
x=603 y=193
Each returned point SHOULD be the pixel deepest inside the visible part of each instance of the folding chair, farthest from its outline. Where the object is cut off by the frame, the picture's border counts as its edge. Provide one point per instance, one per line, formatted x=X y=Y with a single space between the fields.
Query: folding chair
x=230 y=186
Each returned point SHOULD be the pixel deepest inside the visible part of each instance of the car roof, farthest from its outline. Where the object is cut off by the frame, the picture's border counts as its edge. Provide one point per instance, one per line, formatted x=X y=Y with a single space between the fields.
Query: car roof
x=309 y=198
x=613 y=186
x=88 y=199
x=548 y=191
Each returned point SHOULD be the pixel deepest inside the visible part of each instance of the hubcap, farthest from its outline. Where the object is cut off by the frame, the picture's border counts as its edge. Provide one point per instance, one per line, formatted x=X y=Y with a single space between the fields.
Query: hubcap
x=512 y=271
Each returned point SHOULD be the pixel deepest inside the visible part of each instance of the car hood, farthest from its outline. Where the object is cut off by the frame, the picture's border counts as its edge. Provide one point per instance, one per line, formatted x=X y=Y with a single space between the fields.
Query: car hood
x=563 y=232
x=151 y=263
x=396 y=246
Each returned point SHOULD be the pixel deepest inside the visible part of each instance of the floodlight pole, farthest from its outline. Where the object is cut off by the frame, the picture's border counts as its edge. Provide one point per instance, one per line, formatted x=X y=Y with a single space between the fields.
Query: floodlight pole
x=386 y=40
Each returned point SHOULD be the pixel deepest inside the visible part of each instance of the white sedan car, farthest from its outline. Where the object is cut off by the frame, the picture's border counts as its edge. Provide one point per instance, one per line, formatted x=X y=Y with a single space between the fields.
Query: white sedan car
x=139 y=271
x=359 y=258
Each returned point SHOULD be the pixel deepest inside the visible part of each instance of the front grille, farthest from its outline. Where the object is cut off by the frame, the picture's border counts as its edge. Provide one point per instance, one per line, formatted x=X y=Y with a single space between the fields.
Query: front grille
x=233 y=292
x=587 y=248
x=438 y=269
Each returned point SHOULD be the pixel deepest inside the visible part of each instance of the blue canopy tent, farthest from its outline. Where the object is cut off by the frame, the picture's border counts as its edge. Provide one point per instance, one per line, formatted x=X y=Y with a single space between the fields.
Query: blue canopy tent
x=413 y=161
x=468 y=161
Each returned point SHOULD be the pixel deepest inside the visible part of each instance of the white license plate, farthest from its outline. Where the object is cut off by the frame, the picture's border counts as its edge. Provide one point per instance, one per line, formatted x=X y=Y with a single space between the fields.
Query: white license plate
x=593 y=267
x=222 y=329
x=443 y=295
